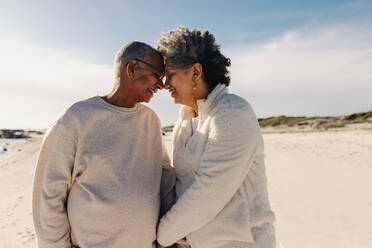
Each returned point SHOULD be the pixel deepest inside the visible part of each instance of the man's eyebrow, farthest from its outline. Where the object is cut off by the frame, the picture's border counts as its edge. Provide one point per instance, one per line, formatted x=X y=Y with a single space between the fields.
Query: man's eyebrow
x=157 y=75
x=152 y=66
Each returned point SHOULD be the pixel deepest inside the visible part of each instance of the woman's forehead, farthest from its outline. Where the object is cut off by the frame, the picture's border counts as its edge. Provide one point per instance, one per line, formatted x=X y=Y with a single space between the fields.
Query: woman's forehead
x=172 y=68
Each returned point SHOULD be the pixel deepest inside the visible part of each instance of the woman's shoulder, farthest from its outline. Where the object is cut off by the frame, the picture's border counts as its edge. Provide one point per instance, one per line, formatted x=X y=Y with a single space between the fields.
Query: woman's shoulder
x=233 y=104
x=233 y=116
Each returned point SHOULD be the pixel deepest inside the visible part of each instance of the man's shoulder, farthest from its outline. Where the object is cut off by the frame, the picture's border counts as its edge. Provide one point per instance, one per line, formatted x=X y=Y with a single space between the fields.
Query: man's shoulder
x=148 y=111
x=77 y=110
x=84 y=104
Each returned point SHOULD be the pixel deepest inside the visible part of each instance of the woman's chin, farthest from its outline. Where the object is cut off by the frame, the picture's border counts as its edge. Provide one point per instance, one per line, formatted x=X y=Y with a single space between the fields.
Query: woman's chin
x=177 y=99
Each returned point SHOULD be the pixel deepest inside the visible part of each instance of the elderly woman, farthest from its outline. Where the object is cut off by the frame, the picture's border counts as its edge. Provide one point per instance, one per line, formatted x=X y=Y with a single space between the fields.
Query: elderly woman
x=218 y=152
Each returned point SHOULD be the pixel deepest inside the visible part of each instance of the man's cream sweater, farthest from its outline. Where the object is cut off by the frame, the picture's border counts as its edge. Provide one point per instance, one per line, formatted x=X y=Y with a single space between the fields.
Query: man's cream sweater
x=98 y=177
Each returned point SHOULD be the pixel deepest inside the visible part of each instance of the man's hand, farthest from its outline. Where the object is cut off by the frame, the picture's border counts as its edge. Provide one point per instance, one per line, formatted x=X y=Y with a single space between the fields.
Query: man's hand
x=160 y=246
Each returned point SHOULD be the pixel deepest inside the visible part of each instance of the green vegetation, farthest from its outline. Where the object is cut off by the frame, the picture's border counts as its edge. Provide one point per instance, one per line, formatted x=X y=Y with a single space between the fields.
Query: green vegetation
x=333 y=125
x=359 y=116
x=317 y=122
x=168 y=129
x=281 y=121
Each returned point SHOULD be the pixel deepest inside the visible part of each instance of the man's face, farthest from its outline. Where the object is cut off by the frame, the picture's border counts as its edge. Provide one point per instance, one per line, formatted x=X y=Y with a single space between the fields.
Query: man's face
x=147 y=78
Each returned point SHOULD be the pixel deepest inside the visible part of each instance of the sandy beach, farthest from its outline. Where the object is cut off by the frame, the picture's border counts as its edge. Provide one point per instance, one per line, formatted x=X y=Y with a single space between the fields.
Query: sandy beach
x=320 y=186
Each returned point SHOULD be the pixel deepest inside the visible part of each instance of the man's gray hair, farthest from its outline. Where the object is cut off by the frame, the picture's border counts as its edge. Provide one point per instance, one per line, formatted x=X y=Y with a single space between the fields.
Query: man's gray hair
x=131 y=51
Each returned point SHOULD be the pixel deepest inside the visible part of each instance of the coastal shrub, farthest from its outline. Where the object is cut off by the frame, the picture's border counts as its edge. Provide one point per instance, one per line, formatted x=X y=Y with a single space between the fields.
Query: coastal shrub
x=318 y=122
x=333 y=125
x=168 y=129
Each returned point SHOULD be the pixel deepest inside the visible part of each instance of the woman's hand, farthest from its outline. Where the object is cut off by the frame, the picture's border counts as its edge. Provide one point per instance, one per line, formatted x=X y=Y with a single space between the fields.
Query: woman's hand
x=160 y=246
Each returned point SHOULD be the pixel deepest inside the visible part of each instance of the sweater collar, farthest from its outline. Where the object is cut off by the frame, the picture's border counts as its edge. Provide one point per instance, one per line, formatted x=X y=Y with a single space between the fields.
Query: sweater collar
x=205 y=105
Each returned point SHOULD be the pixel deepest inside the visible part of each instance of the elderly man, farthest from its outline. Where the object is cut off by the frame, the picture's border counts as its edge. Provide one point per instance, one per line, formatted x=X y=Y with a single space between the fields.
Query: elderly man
x=98 y=181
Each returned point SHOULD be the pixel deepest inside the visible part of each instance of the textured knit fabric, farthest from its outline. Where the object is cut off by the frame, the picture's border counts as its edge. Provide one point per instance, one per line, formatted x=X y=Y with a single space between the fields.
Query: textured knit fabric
x=221 y=180
x=195 y=123
x=98 y=177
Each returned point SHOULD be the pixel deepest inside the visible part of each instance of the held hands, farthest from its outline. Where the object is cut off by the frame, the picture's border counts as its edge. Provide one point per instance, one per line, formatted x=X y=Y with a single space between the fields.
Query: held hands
x=160 y=246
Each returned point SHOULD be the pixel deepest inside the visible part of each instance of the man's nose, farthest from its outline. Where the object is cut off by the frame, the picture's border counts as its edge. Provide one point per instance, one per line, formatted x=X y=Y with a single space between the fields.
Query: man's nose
x=159 y=84
x=166 y=84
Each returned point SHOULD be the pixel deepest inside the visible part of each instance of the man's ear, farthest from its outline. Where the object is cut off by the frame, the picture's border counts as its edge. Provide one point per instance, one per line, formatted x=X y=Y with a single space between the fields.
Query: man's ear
x=130 y=68
x=197 y=70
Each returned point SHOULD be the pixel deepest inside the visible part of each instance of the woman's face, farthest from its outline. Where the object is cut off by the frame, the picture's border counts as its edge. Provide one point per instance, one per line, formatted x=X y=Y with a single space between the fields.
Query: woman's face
x=179 y=84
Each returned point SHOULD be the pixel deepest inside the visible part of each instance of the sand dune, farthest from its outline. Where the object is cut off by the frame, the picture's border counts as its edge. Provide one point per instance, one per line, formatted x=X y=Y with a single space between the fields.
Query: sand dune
x=320 y=186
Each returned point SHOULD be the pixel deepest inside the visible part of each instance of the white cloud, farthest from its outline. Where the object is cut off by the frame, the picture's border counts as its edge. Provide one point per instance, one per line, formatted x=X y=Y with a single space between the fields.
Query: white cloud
x=312 y=71
x=37 y=84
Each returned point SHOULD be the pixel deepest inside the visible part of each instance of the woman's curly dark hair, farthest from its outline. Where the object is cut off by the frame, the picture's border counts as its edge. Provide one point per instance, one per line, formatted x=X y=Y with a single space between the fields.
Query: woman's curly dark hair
x=182 y=48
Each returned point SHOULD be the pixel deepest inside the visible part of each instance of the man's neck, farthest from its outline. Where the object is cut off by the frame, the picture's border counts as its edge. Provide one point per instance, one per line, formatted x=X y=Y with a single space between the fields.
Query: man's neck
x=115 y=97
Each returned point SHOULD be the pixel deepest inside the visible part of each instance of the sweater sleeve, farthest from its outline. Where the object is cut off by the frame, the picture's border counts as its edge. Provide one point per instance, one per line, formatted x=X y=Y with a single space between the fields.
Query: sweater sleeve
x=51 y=183
x=232 y=144
x=168 y=183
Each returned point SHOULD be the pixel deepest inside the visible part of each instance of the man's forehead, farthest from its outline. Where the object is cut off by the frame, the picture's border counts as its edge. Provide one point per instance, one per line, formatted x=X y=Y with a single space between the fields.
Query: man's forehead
x=157 y=61
x=155 y=56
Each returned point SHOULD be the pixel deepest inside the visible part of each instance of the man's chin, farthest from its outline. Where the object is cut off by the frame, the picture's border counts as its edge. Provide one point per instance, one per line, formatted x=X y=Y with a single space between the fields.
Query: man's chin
x=147 y=99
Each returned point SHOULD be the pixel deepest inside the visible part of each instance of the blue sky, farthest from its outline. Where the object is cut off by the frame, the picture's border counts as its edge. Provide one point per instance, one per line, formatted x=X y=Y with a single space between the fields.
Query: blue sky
x=288 y=57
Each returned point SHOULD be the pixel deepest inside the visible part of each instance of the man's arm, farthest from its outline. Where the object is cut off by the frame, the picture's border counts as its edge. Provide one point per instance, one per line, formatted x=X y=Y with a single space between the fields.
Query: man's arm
x=51 y=182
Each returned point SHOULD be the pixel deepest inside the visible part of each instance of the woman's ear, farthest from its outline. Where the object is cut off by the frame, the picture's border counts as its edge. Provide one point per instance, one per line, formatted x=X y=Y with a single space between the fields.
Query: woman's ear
x=197 y=71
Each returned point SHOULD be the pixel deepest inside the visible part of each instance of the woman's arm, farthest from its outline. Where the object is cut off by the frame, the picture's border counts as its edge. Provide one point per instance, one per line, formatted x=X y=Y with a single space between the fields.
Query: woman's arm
x=167 y=184
x=233 y=141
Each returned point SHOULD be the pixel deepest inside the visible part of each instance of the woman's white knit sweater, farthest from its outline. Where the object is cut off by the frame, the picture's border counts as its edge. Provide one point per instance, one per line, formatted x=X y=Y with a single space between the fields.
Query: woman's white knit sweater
x=221 y=180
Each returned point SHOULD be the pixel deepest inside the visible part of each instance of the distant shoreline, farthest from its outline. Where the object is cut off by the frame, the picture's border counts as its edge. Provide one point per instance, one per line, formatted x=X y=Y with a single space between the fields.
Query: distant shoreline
x=275 y=124
x=285 y=124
